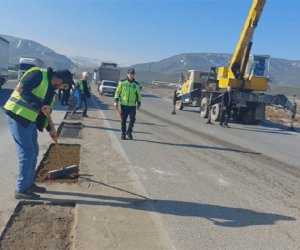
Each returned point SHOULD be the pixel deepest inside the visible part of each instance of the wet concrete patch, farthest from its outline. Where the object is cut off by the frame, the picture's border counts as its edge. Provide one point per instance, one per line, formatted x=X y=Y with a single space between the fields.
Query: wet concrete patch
x=76 y=116
x=70 y=130
x=70 y=154
x=37 y=225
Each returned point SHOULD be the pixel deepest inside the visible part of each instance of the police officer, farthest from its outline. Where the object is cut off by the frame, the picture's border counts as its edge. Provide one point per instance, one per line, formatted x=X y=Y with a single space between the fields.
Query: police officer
x=129 y=94
x=83 y=87
x=27 y=110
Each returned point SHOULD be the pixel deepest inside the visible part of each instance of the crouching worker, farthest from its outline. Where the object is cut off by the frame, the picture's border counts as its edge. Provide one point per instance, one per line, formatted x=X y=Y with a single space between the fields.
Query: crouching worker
x=27 y=110
x=129 y=94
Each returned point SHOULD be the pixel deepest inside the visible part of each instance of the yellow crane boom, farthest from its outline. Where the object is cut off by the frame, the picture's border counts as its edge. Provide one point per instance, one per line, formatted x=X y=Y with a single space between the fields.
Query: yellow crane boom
x=235 y=75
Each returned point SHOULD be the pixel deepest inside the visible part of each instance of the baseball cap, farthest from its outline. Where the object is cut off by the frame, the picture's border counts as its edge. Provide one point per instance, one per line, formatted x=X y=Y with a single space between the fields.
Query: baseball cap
x=131 y=71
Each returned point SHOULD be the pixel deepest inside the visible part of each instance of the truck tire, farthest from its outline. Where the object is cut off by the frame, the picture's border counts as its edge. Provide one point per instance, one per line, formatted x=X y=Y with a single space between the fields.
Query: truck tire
x=204 y=107
x=215 y=112
x=248 y=118
x=179 y=105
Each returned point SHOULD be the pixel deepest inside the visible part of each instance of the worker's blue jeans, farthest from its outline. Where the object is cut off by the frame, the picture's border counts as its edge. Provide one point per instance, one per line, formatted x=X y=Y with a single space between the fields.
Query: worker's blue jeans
x=82 y=102
x=28 y=151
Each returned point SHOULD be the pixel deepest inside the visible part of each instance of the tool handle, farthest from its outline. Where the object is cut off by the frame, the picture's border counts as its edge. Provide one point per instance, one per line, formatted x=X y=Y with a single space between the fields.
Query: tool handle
x=119 y=113
x=55 y=140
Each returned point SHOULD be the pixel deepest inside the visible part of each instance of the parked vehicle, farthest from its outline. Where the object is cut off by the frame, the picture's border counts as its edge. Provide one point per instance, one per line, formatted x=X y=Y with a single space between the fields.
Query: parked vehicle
x=26 y=63
x=108 y=72
x=248 y=75
x=4 y=52
x=107 y=87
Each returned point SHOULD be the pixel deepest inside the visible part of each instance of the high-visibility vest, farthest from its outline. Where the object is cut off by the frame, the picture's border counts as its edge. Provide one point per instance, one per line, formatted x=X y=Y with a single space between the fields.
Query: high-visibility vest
x=129 y=93
x=80 y=84
x=17 y=105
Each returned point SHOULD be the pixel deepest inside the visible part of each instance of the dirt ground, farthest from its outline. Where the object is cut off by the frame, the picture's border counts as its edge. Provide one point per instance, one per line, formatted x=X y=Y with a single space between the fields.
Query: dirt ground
x=275 y=115
x=40 y=226
x=70 y=156
x=283 y=116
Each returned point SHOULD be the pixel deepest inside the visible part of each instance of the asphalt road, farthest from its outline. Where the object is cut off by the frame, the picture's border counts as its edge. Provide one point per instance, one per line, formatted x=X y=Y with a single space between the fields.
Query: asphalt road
x=8 y=157
x=212 y=188
x=215 y=188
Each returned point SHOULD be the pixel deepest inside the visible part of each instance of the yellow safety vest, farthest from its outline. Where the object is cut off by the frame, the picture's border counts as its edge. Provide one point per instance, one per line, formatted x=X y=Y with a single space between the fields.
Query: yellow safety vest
x=80 y=84
x=17 y=105
x=128 y=92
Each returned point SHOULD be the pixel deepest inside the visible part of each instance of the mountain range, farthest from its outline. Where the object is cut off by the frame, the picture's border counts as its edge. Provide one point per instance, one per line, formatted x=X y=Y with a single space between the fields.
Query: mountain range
x=24 y=47
x=282 y=71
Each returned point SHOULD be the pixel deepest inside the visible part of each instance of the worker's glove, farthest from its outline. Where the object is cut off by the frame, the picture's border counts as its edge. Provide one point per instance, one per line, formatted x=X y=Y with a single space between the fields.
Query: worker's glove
x=138 y=106
x=116 y=104
x=224 y=108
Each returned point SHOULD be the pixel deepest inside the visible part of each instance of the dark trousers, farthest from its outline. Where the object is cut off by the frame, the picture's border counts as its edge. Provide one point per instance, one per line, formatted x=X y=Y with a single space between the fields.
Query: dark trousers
x=125 y=112
x=225 y=116
x=65 y=96
x=82 y=103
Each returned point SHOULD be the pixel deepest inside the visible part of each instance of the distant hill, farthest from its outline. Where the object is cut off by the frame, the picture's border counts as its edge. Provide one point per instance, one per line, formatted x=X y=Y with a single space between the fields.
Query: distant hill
x=282 y=72
x=81 y=61
x=23 y=47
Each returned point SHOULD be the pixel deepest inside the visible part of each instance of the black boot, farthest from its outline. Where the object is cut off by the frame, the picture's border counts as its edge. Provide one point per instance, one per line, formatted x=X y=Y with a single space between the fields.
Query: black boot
x=129 y=135
x=123 y=137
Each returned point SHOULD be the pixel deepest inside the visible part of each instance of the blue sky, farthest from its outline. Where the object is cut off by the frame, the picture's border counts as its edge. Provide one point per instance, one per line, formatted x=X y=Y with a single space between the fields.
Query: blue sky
x=137 y=31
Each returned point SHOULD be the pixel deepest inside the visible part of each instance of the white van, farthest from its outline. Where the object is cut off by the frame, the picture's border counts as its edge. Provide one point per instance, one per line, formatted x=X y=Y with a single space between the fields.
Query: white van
x=107 y=87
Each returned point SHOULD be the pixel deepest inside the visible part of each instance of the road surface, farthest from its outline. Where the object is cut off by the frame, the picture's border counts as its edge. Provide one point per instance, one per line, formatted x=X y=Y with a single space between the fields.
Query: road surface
x=215 y=188
x=211 y=188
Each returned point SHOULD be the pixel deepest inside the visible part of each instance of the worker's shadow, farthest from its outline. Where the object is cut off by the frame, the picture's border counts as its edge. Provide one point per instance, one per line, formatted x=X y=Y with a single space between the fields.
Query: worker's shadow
x=218 y=215
x=277 y=127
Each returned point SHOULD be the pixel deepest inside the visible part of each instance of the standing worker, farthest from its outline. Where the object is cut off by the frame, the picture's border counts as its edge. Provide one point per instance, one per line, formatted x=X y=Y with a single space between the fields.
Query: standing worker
x=65 y=96
x=226 y=107
x=83 y=87
x=27 y=110
x=129 y=93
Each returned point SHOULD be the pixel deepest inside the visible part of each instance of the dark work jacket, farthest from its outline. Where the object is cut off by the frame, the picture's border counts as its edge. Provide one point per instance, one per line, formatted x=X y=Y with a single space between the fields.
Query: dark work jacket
x=31 y=81
x=227 y=100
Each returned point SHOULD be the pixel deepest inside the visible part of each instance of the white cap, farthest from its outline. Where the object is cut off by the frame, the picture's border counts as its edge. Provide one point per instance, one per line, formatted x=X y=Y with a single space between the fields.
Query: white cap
x=84 y=74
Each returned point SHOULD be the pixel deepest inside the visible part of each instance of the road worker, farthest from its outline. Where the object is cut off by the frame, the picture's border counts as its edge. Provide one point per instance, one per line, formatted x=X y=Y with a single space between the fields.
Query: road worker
x=83 y=92
x=226 y=108
x=27 y=110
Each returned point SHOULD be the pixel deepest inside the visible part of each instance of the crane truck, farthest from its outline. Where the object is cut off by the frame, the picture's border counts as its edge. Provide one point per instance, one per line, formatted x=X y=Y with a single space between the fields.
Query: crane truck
x=248 y=75
x=4 y=52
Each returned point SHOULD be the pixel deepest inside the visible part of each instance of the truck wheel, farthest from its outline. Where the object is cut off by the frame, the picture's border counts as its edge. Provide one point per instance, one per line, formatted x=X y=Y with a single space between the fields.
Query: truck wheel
x=204 y=108
x=215 y=112
x=179 y=105
x=248 y=118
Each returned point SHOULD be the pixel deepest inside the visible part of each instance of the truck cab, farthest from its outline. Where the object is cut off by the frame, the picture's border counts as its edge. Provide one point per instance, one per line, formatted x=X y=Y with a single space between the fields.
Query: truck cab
x=26 y=63
x=195 y=81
